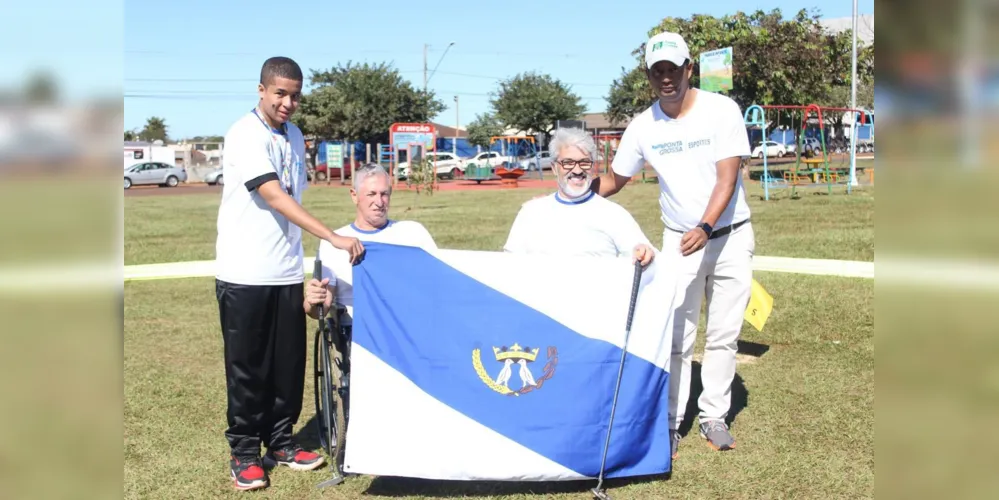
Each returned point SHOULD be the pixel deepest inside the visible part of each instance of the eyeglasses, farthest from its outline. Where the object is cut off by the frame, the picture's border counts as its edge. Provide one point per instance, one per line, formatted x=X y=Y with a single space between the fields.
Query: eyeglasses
x=571 y=164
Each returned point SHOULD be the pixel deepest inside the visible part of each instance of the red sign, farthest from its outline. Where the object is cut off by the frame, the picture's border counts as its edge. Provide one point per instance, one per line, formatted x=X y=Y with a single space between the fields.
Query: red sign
x=414 y=128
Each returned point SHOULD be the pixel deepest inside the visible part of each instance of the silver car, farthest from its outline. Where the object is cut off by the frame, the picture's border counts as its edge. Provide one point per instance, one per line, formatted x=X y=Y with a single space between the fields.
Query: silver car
x=214 y=177
x=531 y=162
x=157 y=173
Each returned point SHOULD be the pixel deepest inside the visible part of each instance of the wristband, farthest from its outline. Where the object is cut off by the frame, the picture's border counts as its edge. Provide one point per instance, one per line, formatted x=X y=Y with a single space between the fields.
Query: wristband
x=706 y=227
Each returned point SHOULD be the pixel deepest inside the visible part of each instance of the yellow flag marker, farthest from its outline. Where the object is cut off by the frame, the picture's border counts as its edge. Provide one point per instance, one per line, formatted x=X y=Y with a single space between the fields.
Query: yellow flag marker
x=760 y=306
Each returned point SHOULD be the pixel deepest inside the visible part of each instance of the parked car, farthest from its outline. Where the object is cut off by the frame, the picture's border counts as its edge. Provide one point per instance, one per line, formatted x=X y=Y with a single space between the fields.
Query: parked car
x=214 y=177
x=492 y=159
x=811 y=145
x=447 y=165
x=321 y=172
x=774 y=148
x=531 y=162
x=157 y=173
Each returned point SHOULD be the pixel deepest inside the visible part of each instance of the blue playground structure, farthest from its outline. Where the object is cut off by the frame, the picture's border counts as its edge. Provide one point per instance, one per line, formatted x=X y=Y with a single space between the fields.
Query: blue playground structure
x=755 y=117
x=465 y=149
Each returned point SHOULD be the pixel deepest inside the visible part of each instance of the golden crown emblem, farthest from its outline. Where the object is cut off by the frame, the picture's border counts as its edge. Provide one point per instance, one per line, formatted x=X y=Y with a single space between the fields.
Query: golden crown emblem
x=515 y=352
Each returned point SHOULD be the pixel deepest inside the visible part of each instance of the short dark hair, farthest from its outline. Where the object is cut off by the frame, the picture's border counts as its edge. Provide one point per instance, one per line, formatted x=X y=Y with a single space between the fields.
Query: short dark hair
x=283 y=67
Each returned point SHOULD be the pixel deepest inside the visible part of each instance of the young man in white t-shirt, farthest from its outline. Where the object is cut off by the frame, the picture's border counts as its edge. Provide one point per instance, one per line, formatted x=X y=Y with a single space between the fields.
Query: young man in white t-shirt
x=372 y=195
x=260 y=277
x=695 y=141
x=574 y=220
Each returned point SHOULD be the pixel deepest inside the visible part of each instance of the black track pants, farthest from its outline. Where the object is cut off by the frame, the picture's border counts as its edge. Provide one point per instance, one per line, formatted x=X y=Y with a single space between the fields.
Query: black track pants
x=264 y=333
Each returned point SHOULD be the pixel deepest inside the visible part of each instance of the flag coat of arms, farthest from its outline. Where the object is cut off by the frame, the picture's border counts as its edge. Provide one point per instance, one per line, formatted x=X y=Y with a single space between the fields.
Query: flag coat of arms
x=470 y=365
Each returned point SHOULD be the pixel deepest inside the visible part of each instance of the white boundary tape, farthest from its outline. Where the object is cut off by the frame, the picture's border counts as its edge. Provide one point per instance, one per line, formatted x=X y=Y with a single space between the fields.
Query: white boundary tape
x=205 y=268
x=933 y=271
x=924 y=272
x=97 y=275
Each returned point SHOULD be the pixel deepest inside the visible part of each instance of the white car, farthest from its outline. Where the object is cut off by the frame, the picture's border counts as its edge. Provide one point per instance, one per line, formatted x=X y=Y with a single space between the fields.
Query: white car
x=810 y=144
x=491 y=158
x=448 y=166
x=773 y=149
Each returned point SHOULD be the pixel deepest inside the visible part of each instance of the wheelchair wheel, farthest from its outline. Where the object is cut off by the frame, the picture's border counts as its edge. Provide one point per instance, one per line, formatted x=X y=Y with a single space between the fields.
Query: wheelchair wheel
x=330 y=411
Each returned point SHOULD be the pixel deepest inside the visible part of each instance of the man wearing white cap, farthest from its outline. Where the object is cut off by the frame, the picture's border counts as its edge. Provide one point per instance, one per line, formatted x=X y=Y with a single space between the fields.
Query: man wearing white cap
x=695 y=141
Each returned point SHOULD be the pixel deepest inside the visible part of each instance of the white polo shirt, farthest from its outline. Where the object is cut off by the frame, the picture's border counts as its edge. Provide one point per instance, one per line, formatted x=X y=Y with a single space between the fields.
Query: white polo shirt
x=256 y=245
x=592 y=226
x=683 y=153
x=336 y=262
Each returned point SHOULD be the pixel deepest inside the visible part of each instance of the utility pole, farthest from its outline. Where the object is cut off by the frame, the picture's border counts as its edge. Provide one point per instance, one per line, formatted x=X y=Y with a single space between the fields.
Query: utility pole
x=853 y=103
x=457 y=123
x=969 y=64
x=425 y=67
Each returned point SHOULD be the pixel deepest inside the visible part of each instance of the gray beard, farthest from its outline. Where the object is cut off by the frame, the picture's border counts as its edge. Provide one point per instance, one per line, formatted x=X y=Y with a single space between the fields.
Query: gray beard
x=563 y=185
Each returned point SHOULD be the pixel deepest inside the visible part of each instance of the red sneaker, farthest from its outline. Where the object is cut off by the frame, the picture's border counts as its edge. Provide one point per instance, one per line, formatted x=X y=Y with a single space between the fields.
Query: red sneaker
x=248 y=473
x=296 y=458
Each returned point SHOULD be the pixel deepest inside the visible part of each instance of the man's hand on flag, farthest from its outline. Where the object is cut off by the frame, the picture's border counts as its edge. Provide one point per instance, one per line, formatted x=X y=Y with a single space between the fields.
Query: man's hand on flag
x=351 y=245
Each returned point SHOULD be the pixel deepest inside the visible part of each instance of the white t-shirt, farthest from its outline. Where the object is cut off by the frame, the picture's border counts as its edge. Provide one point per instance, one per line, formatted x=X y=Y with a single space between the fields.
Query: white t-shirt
x=592 y=226
x=256 y=245
x=336 y=262
x=684 y=153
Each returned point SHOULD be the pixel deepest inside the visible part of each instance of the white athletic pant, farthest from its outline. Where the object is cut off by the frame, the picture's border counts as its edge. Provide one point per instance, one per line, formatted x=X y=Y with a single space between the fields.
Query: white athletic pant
x=722 y=273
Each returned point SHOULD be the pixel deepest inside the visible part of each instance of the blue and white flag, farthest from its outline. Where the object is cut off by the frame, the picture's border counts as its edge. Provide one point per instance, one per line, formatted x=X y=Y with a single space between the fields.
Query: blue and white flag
x=472 y=365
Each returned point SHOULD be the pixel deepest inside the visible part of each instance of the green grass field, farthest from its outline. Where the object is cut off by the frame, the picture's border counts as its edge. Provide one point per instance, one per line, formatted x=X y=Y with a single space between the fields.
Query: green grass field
x=815 y=225
x=803 y=396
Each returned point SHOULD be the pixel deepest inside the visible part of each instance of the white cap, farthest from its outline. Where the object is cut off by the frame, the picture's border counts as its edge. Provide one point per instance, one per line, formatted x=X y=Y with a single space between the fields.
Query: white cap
x=666 y=47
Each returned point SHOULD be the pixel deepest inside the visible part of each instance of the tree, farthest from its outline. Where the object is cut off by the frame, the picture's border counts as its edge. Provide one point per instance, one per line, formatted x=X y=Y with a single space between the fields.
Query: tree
x=42 y=88
x=360 y=103
x=776 y=60
x=131 y=135
x=533 y=102
x=482 y=128
x=839 y=96
x=155 y=130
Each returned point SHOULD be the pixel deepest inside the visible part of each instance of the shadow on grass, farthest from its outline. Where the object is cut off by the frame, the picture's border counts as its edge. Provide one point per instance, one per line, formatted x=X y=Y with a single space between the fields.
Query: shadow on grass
x=740 y=395
x=398 y=486
x=308 y=434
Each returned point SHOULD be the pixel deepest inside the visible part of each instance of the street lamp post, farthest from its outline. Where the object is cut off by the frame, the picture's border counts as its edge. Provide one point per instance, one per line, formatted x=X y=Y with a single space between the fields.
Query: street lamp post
x=425 y=77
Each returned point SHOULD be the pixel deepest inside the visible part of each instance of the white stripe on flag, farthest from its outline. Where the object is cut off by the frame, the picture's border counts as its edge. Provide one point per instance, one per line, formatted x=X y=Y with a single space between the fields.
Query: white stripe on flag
x=577 y=282
x=397 y=429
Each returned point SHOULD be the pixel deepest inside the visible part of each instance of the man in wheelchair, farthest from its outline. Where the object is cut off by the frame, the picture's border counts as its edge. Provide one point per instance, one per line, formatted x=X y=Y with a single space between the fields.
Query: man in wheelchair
x=372 y=194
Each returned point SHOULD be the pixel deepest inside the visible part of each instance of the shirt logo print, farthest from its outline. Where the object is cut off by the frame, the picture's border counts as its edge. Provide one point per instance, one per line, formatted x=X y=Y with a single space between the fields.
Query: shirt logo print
x=668 y=147
x=697 y=144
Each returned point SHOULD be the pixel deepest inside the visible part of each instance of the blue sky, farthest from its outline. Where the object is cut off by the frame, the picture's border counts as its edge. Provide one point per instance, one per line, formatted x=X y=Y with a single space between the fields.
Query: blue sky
x=196 y=63
x=78 y=43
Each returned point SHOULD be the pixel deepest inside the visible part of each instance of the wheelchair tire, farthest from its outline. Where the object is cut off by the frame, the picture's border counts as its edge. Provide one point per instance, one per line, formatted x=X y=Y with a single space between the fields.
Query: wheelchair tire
x=330 y=411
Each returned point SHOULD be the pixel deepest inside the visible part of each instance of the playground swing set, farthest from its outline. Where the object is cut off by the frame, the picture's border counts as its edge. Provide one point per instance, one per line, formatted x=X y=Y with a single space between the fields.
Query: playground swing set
x=807 y=172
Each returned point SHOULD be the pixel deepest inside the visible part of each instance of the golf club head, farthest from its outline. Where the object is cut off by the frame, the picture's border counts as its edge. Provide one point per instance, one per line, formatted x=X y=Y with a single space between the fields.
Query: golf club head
x=600 y=494
x=335 y=480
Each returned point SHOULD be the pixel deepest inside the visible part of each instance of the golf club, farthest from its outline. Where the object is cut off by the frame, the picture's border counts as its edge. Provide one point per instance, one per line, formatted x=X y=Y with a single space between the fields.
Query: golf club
x=317 y=274
x=599 y=492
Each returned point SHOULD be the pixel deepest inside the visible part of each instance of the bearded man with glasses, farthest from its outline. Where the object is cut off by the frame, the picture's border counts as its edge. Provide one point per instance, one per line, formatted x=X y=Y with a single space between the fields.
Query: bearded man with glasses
x=575 y=220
